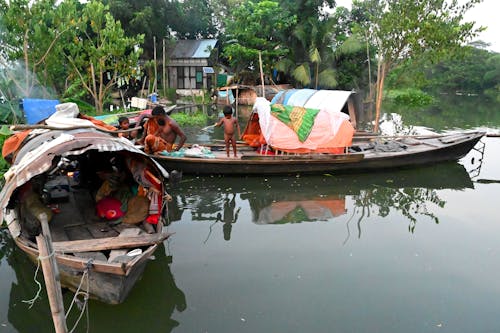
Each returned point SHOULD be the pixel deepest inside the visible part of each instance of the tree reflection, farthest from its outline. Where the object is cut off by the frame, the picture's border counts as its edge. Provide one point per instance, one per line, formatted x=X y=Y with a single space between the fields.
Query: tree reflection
x=412 y=203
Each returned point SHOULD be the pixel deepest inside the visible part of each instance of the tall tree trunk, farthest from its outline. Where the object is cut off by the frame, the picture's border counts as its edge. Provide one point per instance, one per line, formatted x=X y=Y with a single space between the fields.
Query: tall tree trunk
x=370 y=85
x=94 y=89
x=27 y=87
x=380 y=90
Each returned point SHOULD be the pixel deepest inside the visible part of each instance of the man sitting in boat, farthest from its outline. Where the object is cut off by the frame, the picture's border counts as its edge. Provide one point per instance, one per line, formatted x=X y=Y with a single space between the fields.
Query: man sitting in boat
x=160 y=132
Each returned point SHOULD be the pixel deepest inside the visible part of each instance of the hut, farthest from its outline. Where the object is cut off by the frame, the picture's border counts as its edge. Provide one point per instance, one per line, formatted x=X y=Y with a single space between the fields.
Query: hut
x=190 y=69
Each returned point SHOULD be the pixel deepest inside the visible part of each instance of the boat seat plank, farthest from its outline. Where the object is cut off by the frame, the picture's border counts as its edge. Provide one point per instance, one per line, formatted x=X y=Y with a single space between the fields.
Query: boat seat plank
x=452 y=138
x=126 y=232
x=79 y=232
x=101 y=230
x=58 y=234
x=109 y=243
x=92 y=255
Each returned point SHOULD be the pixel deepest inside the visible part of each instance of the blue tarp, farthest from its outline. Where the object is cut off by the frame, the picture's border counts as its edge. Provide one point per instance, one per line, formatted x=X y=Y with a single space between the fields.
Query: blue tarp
x=300 y=97
x=36 y=110
x=223 y=96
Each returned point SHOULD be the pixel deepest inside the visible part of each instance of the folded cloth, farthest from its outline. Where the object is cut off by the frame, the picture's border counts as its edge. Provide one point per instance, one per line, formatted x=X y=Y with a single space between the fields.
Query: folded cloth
x=109 y=208
x=137 y=211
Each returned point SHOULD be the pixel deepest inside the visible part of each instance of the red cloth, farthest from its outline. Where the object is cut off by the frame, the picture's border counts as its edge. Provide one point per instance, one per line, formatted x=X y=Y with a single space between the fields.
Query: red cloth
x=153 y=219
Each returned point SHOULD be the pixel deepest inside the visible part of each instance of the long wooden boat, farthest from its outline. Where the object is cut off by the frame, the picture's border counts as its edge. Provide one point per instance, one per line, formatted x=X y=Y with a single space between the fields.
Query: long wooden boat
x=74 y=179
x=379 y=153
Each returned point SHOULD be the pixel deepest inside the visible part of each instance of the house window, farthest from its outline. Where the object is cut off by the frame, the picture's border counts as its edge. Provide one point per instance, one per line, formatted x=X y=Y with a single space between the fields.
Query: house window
x=180 y=77
x=199 y=77
x=190 y=77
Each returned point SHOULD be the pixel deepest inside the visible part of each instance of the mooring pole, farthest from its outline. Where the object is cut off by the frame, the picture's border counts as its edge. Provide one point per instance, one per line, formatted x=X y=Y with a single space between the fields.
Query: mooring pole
x=51 y=276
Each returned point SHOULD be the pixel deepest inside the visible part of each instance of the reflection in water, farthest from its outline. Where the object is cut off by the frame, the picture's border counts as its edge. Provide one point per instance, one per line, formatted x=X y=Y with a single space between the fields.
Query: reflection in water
x=151 y=303
x=229 y=216
x=297 y=199
x=315 y=209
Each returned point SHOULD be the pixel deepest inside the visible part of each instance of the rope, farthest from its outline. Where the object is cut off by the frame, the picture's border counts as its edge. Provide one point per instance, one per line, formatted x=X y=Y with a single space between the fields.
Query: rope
x=31 y=302
x=84 y=307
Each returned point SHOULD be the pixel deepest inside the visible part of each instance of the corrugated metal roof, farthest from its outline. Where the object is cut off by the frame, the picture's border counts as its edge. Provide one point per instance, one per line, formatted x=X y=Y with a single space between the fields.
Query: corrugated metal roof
x=193 y=48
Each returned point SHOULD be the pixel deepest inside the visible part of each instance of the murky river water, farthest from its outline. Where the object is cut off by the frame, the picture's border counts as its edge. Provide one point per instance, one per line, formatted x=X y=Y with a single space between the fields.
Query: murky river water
x=406 y=251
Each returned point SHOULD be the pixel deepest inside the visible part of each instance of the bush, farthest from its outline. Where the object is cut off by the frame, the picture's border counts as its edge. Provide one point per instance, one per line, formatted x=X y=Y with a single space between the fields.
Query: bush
x=409 y=97
x=192 y=119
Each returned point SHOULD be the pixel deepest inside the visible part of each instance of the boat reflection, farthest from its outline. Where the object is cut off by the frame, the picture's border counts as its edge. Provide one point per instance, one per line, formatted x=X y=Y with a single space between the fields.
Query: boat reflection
x=282 y=200
x=296 y=211
x=153 y=300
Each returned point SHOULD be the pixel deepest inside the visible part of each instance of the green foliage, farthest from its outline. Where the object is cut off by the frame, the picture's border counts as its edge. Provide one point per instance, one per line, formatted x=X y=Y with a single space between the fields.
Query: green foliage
x=4 y=166
x=150 y=18
x=102 y=52
x=253 y=28
x=171 y=94
x=10 y=113
x=410 y=97
x=31 y=39
x=190 y=119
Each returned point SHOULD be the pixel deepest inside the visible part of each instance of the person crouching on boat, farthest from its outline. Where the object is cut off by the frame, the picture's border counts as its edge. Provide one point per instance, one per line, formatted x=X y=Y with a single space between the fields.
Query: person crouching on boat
x=160 y=132
x=230 y=123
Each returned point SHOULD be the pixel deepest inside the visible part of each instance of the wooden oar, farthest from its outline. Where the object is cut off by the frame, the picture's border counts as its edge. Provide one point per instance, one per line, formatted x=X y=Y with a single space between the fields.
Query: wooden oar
x=208 y=127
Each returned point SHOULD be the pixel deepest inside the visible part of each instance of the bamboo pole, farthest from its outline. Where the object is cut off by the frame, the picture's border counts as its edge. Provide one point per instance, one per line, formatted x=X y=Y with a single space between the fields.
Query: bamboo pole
x=261 y=75
x=156 y=67
x=51 y=275
x=165 y=84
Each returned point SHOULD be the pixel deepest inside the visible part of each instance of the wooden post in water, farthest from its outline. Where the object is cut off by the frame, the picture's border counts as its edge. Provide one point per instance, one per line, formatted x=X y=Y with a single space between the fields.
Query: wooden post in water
x=156 y=66
x=165 y=83
x=51 y=276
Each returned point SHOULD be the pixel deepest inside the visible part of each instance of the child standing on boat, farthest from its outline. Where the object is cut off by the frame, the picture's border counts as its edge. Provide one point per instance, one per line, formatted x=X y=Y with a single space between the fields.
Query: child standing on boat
x=230 y=123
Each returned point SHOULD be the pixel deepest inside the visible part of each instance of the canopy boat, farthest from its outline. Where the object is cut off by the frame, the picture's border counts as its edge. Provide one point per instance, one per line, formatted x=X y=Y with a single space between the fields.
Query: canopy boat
x=98 y=195
x=310 y=131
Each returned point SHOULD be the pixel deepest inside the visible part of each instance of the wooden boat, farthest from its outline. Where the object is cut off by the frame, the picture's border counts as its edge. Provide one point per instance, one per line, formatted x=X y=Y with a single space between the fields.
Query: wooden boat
x=364 y=155
x=313 y=131
x=57 y=176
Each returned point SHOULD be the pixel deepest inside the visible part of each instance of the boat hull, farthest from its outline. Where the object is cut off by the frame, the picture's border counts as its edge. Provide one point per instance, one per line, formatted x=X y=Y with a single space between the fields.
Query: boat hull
x=107 y=282
x=429 y=151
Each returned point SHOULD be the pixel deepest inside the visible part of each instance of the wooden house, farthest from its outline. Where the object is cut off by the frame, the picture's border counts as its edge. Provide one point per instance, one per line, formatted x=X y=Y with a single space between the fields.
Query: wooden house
x=190 y=69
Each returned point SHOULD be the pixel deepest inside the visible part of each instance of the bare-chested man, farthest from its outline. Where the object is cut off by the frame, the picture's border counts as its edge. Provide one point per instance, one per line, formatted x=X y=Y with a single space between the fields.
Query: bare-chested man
x=160 y=132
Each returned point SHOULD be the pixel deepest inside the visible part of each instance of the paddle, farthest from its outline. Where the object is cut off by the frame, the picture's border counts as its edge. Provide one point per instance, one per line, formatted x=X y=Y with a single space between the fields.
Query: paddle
x=208 y=127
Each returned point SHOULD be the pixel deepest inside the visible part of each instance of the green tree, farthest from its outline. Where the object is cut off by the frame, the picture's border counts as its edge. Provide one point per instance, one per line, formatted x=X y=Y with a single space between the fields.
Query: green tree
x=102 y=53
x=311 y=58
x=151 y=18
x=30 y=36
x=196 y=20
x=253 y=28
x=406 y=29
